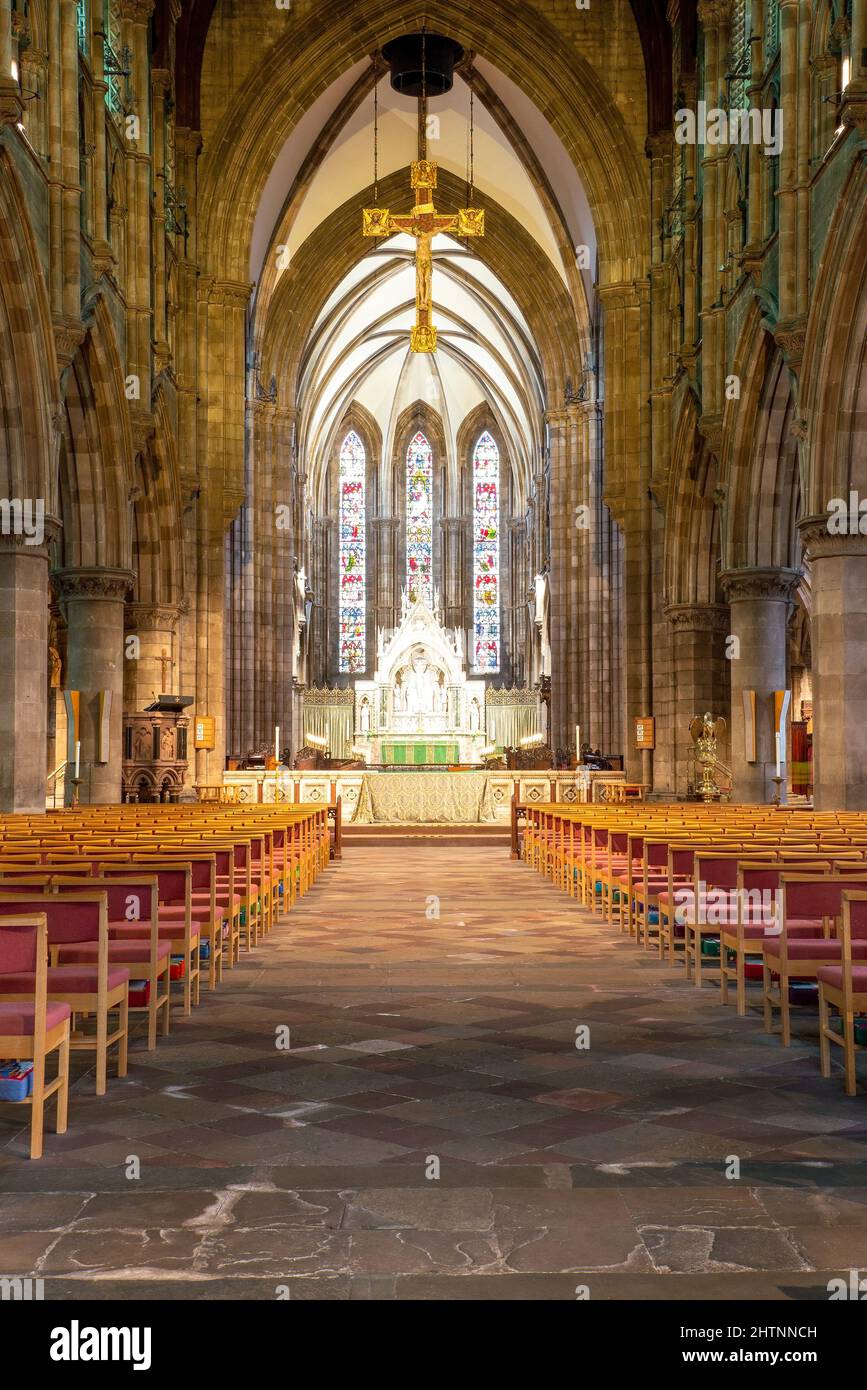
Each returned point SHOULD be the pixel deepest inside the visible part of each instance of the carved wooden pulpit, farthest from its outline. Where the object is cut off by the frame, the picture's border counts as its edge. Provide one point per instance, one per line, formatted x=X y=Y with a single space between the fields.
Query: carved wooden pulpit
x=155 y=757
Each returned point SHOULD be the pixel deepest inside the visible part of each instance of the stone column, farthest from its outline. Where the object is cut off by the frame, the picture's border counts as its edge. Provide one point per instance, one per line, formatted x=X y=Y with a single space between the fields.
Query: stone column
x=11 y=105
x=838 y=570
x=23 y=674
x=152 y=672
x=93 y=600
x=855 y=95
x=385 y=603
x=759 y=600
x=700 y=676
x=559 y=616
x=71 y=195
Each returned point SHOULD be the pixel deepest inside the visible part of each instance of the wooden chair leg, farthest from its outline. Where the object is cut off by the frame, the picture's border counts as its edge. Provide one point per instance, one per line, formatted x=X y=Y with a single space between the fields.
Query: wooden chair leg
x=741 y=967
x=123 y=1041
x=101 y=1052
x=63 y=1092
x=152 y=1013
x=785 y=1011
x=767 y=1009
x=824 y=1040
x=849 y=1053
x=37 y=1107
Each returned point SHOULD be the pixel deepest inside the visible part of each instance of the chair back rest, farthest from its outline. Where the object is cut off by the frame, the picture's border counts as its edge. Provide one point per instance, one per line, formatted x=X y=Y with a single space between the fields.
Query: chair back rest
x=75 y=918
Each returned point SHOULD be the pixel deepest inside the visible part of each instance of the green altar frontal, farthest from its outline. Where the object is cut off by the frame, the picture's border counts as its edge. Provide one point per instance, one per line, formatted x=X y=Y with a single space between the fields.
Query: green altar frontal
x=420 y=753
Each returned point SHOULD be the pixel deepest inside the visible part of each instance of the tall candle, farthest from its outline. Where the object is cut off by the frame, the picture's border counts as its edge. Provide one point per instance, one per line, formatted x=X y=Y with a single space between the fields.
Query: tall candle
x=277 y=742
x=578 y=742
x=77 y=759
x=779 y=742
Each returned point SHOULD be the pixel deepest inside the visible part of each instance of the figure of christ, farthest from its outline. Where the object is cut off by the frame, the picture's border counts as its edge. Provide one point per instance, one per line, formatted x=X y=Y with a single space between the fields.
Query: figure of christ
x=423 y=272
x=420 y=685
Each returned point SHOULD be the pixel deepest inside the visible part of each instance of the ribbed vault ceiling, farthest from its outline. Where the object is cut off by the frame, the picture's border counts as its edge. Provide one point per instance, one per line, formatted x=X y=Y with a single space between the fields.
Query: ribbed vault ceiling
x=358 y=347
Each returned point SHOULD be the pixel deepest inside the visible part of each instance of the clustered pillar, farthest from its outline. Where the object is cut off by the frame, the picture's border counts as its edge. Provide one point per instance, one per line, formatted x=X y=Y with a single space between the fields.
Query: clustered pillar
x=838 y=570
x=93 y=600
x=760 y=601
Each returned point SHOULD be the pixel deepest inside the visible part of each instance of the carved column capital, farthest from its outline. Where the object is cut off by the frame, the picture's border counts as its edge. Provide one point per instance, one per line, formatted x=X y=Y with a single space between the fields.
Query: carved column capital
x=153 y=617
x=714 y=12
x=820 y=542
x=772 y=584
x=698 y=617
x=101 y=584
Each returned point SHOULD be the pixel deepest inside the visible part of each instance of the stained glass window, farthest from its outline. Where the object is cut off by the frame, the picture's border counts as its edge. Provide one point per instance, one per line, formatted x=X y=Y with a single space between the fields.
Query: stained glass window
x=739 y=55
x=772 y=29
x=419 y=520
x=82 y=24
x=352 y=554
x=486 y=555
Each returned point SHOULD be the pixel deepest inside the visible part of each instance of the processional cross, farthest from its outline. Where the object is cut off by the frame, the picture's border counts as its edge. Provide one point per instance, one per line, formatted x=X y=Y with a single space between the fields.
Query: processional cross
x=423 y=223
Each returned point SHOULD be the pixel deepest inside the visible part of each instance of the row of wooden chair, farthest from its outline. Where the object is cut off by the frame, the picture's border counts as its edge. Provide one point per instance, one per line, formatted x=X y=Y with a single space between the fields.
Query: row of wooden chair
x=111 y=895
x=781 y=891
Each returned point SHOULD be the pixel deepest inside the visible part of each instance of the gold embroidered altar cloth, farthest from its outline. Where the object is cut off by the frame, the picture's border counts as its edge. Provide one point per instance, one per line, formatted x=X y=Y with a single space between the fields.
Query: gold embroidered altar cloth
x=453 y=798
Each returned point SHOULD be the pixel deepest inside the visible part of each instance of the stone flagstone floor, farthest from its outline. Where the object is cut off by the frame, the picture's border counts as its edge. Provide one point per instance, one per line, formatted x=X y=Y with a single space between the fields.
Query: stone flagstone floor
x=416 y=1037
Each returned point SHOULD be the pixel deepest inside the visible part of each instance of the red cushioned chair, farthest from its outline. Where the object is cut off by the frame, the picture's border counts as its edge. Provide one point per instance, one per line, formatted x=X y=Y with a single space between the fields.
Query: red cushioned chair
x=97 y=989
x=844 y=987
x=32 y=1026
x=789 y=957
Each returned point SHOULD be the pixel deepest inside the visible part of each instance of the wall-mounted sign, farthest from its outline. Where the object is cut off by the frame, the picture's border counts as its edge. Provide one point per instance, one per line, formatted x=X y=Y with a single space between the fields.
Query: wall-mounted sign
x=645 y=732
x=204 y=731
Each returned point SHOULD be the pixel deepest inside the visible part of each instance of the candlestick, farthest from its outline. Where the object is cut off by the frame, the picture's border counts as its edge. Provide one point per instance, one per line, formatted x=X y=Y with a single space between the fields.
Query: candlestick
x=77 y=760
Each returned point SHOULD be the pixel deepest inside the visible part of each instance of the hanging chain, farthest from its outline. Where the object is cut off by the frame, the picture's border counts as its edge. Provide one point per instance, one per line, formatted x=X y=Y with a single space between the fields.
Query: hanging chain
x=472 y=143
x=375 y=132
x=422 y=115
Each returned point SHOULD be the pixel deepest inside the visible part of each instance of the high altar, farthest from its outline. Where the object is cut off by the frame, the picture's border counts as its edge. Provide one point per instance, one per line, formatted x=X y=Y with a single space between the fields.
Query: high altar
x=420 y=708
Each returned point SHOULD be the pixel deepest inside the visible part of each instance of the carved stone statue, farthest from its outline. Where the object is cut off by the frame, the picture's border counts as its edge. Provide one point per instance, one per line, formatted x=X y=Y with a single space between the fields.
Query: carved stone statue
x=538 y=663
x=542 y=585
x=302 y=608
x=420 y=683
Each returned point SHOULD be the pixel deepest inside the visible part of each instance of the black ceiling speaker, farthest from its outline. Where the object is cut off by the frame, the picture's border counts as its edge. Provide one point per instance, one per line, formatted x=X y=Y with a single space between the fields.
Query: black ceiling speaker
x=404 y=57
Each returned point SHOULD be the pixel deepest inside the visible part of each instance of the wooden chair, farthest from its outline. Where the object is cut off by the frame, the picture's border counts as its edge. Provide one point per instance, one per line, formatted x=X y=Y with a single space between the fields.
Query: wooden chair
x=97 y=990
x=788 y=958
x=31 y=1027
x=844 y=987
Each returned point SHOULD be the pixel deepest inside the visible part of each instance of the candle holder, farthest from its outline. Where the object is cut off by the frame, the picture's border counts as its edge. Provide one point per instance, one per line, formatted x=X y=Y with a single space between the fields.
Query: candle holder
x=779 y=783
x=75 y=783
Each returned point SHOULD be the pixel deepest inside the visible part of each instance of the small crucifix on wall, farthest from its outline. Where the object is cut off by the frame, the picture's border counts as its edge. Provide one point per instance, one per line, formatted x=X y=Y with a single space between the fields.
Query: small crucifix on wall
x=165 y=661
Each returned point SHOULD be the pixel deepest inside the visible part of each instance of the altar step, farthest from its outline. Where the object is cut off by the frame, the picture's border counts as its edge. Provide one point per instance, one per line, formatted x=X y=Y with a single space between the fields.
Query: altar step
x=498 y=836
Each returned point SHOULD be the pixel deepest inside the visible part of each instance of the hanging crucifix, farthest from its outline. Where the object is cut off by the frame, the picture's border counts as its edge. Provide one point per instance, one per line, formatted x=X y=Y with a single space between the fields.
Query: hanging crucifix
x=423 y=223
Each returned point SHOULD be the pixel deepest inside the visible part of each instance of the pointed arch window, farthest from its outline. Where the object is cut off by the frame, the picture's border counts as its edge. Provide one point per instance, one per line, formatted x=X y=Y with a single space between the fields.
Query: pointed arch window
x=353 y=529
x=486 y=555
x=419 y=520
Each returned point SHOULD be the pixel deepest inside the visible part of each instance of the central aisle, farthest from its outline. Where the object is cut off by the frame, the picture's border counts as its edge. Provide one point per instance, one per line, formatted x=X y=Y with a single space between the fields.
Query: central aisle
x=453 y=1036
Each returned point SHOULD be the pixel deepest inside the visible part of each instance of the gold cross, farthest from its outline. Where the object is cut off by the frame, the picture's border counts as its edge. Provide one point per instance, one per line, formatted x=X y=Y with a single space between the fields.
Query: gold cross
x=423 y=223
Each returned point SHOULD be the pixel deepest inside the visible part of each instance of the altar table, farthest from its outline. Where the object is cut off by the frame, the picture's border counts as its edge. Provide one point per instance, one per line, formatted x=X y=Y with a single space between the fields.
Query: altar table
x=325 y=786
x=454 y=798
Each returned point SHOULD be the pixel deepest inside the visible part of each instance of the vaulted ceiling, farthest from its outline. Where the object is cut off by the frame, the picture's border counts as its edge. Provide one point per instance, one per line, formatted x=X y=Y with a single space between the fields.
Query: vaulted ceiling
x=196 y=15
